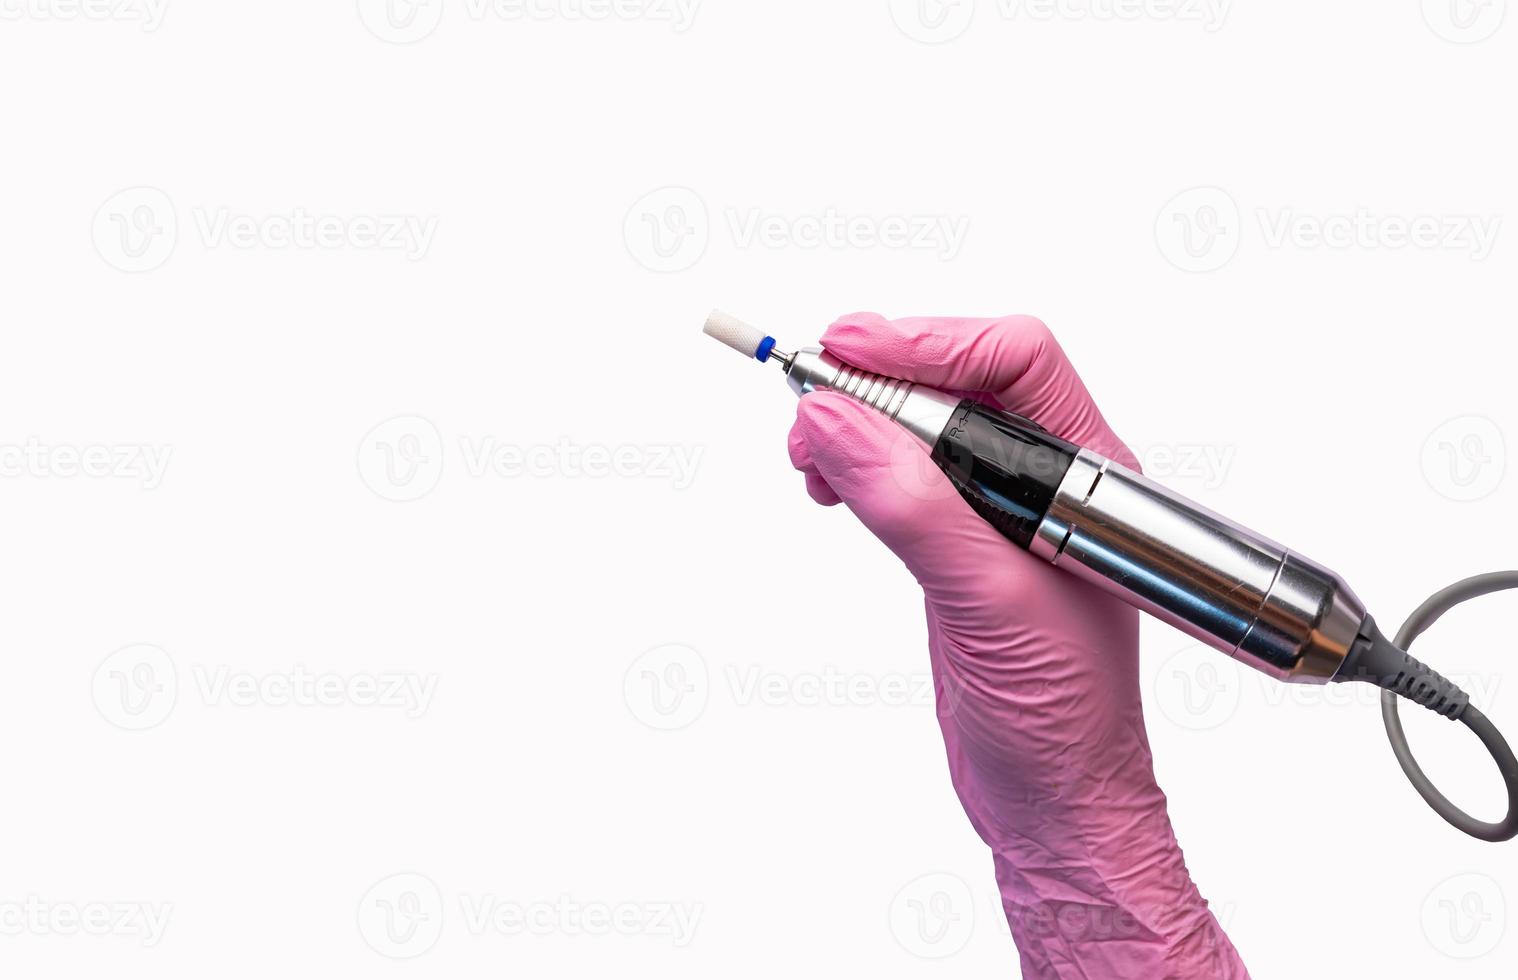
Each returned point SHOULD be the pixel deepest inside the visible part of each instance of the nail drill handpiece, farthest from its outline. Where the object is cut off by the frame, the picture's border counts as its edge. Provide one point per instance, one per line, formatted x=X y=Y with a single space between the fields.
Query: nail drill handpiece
x=1108 y=525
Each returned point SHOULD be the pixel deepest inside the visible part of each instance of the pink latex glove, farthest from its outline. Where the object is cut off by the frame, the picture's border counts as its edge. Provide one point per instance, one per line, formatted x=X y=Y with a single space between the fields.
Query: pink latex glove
x=1036 y=673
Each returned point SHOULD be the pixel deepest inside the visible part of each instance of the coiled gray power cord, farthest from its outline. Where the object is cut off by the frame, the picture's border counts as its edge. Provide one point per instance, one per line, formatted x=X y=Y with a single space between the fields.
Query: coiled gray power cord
x=1386 y=663
x=1422 y=618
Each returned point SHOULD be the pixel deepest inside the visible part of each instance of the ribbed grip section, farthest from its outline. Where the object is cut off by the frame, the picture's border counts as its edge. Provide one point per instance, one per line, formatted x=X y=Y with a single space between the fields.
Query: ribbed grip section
x=1416 y=681
x=1376 y=660
x=875 y=390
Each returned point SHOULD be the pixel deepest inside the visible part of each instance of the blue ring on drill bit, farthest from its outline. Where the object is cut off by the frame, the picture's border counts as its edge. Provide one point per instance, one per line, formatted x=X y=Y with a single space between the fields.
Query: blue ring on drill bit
x=765 y=346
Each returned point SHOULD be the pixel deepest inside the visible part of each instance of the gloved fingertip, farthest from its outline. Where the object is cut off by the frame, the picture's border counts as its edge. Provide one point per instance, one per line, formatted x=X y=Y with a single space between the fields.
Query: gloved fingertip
x=840 y=433
x=797 y=448
x=850 y=330
x=860 y=320
x=819 y=490
x=801 y=458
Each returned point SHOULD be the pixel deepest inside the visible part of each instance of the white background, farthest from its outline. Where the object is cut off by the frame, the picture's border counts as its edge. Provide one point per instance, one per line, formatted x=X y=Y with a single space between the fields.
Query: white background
x=591 y=185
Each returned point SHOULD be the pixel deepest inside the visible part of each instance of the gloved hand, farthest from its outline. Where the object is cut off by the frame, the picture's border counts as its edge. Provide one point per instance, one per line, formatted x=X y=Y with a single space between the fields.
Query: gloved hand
x=1036 y=673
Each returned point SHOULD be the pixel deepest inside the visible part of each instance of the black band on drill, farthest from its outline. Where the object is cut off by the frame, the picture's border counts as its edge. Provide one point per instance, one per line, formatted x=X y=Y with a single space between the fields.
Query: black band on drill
x=1007 y=467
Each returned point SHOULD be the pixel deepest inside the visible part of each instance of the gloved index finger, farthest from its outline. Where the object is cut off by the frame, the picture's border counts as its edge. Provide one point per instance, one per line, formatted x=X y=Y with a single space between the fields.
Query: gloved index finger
x=1014 y=359
x=961 y=353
